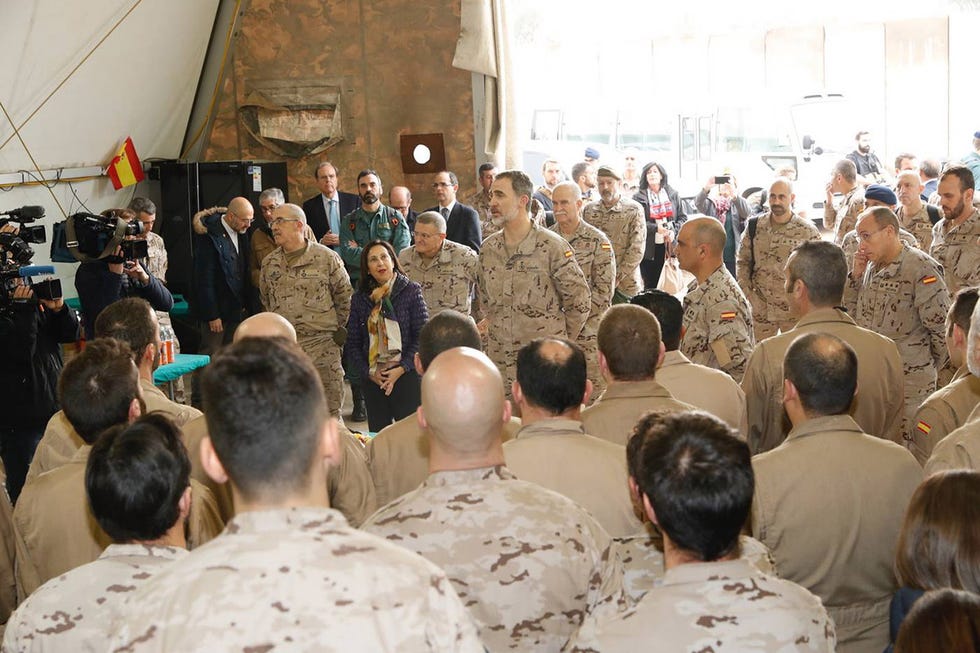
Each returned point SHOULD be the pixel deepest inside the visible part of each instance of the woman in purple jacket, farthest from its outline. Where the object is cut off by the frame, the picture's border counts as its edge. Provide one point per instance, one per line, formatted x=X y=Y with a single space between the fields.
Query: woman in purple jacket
x=386 y=315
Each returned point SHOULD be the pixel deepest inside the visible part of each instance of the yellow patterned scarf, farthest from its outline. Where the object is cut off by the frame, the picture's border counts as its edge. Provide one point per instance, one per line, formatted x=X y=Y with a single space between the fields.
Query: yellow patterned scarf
x=384 y=333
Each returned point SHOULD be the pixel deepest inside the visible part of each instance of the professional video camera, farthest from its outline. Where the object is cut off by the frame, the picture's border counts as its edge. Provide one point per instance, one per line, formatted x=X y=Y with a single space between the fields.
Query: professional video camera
x=92 y=237
x=16 y=255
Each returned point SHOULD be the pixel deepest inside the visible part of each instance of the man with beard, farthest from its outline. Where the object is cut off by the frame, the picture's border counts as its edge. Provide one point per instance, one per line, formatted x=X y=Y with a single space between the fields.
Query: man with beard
x=306 y=283
x=551 y=171
x=869 y=168
x=583 y=174
x=766 y=244
x=956 y=238
x=529 y=282
x=372 y=220
x=621 y=219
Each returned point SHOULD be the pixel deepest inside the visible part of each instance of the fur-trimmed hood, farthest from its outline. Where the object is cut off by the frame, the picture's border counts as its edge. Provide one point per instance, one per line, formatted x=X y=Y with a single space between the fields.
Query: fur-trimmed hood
x=203 y=223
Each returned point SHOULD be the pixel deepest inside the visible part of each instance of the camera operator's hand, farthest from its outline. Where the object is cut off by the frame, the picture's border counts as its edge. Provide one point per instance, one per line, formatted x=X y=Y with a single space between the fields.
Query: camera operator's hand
x=135 y=271
x=22 y=293
x=53 y=305
x=10 y=228
x=116 y=268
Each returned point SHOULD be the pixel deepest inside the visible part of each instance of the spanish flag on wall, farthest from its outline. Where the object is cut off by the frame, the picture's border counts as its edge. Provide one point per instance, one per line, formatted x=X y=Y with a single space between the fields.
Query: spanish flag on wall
x=125 y=169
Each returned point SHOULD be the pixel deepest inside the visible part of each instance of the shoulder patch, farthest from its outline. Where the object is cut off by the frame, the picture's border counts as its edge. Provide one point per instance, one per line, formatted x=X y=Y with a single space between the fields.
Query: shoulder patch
x=569 y=254
x=353 y=225
x=929 y=279
x=728 y=316
x=394 y=222
x=923 y=427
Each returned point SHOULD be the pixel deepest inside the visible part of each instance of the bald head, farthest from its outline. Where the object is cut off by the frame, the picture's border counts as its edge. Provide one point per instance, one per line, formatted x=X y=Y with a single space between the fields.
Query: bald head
x=463 y=403
x=568 y=189
x=708 y=231
x=291 y=212
x=265 y=325
x=240 y=214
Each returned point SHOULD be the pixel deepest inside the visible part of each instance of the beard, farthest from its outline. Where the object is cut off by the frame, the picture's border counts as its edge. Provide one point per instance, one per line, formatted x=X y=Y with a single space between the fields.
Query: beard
x=369 y=198
x=864 y=149
x=956 y=212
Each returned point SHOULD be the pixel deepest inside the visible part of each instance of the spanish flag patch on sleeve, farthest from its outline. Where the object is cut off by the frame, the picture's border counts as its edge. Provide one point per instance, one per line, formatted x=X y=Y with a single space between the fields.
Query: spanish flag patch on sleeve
x=728 y=316
x=922 y=426
x=928 y=280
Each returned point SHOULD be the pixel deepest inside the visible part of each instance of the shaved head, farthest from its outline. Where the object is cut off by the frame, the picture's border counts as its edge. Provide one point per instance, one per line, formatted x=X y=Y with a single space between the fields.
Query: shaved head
x=291 y=211
x=463 y=402
x=708 y=231
x=239 y=205
x=266 y=325
x=569 y=187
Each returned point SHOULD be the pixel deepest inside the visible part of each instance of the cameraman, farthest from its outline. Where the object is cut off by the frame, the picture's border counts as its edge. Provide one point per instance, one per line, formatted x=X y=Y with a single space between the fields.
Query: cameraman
x=101 y=282
x=31 y=331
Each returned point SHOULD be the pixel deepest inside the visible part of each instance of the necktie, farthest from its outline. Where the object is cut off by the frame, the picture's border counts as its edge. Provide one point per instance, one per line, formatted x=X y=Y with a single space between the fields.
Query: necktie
x=333 y=217
x=445 y=212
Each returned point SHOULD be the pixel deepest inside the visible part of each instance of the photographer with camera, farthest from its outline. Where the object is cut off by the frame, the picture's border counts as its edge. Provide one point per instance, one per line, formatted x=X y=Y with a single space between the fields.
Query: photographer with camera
x=103 y=280
x=32 y=329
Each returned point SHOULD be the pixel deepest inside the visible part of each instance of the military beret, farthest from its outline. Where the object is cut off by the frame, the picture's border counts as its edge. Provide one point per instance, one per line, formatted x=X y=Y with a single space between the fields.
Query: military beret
x=608 y=171
x=881 y=193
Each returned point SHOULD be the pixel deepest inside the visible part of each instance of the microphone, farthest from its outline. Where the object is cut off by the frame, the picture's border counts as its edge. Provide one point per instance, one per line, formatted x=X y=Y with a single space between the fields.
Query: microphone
x=35 y=270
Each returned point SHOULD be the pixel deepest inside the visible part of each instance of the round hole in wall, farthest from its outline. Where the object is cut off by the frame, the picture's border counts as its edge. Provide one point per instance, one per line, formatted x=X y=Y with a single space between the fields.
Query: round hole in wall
x=421 y=154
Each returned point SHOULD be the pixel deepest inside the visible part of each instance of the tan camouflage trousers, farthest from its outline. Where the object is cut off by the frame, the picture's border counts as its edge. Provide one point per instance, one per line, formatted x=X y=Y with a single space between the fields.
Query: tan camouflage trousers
x=326 y=359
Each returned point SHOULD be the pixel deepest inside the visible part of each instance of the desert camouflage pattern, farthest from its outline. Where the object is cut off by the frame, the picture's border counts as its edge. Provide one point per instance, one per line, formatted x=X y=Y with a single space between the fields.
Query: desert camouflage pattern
x=72 y=612
x=958 y=250
x=851 y=243
x=625 y=227
x=764 y=283
x=917 y=224
x=157 y=259
x=297 y=579
x=843 y=218
x=8 y=552
x=716 y=606
x=643 y=561
x=718 y=324
x=313 y=292
x=447 y=279
x=958 y=450
x=481 y=202
x=943 y=412
x=528 y=563
x=906 y=300
x=536 y=291
x=261 y=244
x=594 y=254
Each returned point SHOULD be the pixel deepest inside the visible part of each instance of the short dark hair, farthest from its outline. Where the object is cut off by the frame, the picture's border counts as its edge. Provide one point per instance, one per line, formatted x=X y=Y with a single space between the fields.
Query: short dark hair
x=97 y=387
x=447 y=330
x=669 y=313
x=484 y=167
x=822 y=267
x=579 y=169
x=265 y=409
x=645 y=185
x=961 y=172
x=556 y=384
x=129 y=320
x=366 y=172
x=366 y=282
x=961 y=310
x=142 y=205
x=629 y=339
x=930 y=168
x=698 y=477
x=135 y=477
x=453 y=179
x=520 y=182
x=861 y=133
x=824 y=370
x=901 y=157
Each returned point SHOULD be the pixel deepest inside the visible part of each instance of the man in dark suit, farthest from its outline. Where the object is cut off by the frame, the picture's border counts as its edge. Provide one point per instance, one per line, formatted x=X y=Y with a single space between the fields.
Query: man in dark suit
x=400 y=199
x=462 y=222
x=325 y=210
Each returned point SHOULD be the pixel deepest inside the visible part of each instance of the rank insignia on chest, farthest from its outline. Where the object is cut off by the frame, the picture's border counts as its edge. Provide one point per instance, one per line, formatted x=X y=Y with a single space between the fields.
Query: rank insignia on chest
x=606 y=246
x=928 y=280
x=569 y=254
x=728 y=316
x=922 y=426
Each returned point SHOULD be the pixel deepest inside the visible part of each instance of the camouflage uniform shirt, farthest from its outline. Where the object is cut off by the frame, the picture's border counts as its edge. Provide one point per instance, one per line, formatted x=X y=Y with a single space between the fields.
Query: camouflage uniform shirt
x=480 y=201
x=851 y=243
x=447 y=279
x=535 y=291
x=718 y=324
x=918 y=224
x=623 y=223
x=71 y=612
x=528 y=563
x=716 y=606
x=943 y=412
x=759 y=269
x=958 y=250
x=842 y=219
x=297 y=579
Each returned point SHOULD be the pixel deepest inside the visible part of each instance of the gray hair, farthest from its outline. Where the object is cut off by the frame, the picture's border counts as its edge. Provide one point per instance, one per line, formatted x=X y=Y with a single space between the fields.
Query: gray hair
x=274 y=193
x=432 y=218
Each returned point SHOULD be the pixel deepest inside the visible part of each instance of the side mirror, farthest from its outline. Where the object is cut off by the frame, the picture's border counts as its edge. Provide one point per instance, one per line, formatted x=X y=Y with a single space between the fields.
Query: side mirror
x=807 y=142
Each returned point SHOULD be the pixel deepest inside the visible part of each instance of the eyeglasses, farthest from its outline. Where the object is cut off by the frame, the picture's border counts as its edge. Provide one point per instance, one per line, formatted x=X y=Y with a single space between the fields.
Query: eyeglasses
x=865 y=236
x=269 y=209
x=422 y=236
x=281 y=220
x=441 y=184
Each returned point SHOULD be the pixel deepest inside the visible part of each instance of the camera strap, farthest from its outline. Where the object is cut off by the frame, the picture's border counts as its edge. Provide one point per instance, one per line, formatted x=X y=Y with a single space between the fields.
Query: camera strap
x=117 y=237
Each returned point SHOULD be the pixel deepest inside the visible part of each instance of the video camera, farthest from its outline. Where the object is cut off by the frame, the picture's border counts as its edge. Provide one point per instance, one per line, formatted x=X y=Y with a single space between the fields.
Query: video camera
x=16 y=255
x=92 y=237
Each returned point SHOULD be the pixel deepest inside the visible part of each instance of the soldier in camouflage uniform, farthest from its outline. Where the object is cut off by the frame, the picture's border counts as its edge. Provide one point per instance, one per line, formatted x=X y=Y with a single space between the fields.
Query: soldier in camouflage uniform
x=529 y=283
x=288 y=572
x=480 y=200
x=622 y=220
x=529 y=563
x=127 y=469
x=762 y=256
x=445 y=270
x=899 y=292
x=156 y=261
x=717 y=317
x=707 y=600
x=914 y=215
x=842 y=219
x=306 y=283
x=593 y=253
x=956 y=238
